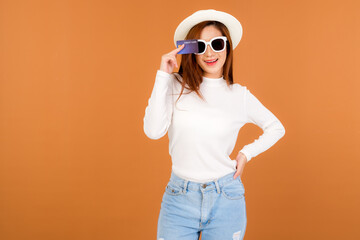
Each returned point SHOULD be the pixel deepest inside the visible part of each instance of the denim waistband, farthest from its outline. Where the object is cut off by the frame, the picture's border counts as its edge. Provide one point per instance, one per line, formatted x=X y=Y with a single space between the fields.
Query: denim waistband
x=209 y=185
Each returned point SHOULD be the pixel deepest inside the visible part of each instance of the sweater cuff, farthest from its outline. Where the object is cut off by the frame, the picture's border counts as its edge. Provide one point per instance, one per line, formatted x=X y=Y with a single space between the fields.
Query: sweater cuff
x=247 y=155
x=162 y=73
x=162 y=79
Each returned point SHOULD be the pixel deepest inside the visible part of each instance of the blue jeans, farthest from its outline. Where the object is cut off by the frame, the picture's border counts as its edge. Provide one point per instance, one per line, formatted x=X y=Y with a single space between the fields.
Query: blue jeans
x=216 y=208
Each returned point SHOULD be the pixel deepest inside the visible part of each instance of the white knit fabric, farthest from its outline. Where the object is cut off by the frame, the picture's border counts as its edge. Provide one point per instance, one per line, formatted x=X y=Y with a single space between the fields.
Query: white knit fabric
x=202 y=134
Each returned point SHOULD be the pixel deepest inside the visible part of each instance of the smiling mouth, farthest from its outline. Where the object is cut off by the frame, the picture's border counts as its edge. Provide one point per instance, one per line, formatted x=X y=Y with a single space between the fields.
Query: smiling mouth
x=209 y=61
x=212 y=62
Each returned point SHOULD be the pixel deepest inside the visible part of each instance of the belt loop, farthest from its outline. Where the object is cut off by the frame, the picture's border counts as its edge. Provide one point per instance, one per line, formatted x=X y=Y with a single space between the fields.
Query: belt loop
x=185 y=185
x=217 y=186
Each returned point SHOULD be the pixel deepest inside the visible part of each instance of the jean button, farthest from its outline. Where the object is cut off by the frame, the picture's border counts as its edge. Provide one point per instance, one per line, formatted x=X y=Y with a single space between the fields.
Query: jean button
x=204 y=185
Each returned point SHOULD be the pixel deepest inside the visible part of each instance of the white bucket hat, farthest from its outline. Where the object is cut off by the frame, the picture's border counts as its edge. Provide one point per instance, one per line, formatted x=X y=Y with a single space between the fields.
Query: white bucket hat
x=233 y=25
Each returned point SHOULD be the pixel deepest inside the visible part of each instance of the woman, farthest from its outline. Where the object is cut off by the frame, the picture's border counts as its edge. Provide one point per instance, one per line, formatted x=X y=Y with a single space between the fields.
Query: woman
x=205 y=192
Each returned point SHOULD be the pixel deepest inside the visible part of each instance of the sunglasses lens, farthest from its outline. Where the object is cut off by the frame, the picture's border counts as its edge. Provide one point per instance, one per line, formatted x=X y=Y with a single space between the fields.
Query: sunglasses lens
x=218 y=44
x=201 y=46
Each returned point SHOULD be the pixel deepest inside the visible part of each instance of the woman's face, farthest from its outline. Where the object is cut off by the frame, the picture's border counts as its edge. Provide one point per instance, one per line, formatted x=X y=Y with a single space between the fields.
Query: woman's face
x=213 y=70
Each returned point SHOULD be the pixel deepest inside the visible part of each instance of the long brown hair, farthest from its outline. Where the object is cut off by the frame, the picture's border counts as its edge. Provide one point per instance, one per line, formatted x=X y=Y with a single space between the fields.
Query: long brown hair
x=191 y=73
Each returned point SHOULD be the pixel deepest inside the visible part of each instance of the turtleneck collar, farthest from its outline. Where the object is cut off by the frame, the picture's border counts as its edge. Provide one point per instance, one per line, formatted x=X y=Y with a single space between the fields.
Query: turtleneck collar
x=214 y=81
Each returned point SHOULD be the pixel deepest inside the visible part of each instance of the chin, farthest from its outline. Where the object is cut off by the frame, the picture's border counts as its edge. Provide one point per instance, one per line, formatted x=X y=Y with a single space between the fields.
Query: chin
x=211 y=70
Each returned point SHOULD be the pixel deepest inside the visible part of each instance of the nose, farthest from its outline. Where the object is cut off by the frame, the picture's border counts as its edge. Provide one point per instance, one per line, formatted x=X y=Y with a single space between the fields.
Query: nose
x=209 y=51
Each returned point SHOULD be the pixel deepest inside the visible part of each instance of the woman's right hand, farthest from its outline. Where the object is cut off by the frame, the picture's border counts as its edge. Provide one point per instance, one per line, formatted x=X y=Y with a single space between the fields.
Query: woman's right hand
x=168 y=60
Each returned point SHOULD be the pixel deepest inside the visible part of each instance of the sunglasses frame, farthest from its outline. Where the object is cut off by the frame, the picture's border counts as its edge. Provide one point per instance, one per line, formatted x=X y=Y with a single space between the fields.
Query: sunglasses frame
x=209 y=43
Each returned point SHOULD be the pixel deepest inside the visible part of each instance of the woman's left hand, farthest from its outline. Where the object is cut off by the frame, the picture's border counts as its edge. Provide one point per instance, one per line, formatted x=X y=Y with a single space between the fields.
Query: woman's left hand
x=241 y=161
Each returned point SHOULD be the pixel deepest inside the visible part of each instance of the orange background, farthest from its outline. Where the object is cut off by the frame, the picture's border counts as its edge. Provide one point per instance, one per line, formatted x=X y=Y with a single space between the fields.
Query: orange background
x=75 y=78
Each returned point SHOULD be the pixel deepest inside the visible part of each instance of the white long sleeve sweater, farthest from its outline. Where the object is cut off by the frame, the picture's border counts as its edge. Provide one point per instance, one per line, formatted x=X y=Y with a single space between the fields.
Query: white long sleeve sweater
x=201 y=134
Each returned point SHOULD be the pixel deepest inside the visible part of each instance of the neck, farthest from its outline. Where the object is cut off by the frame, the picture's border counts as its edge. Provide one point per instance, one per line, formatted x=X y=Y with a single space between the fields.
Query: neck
x=214 y=81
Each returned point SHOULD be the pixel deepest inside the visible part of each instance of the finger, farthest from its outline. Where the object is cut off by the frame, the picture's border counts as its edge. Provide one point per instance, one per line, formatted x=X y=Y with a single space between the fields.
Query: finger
x=170 y=59
x=237 y=173
x=176 y=50
x=173 y=60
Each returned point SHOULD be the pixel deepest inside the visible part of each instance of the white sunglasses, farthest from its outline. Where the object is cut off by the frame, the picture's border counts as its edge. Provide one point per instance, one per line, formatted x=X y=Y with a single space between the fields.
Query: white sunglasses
x=217 y=44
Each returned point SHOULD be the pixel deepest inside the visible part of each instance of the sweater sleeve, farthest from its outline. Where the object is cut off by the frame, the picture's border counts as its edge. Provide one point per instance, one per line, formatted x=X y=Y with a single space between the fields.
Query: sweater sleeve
x=158 y=112
x=272 y=128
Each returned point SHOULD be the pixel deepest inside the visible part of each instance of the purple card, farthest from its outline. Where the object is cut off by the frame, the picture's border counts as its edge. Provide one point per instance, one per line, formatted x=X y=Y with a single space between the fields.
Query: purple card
x=191 y=46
